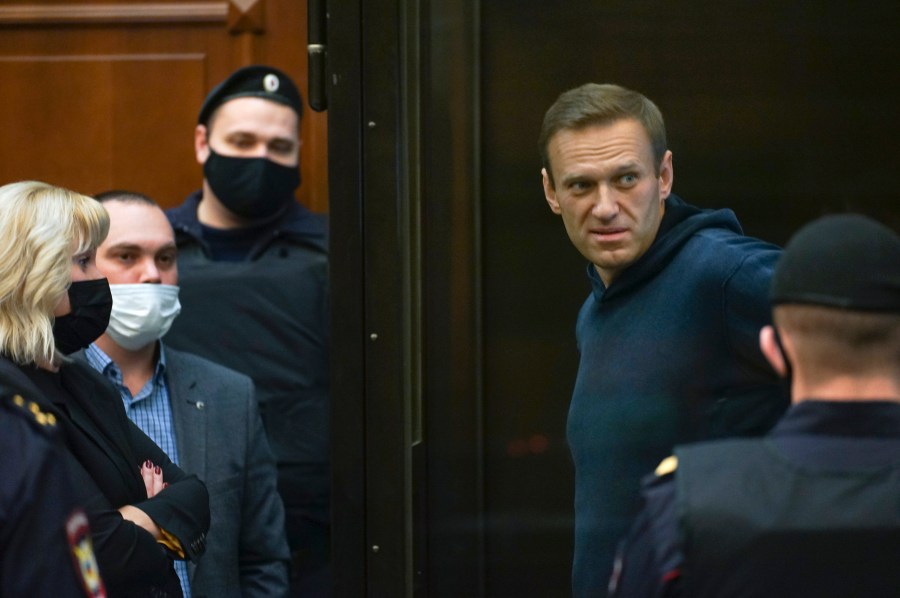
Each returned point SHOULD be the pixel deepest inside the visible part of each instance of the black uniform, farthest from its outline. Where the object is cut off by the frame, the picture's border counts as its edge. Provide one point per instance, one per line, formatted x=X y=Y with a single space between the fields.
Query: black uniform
x=45 y=544
x=266 y=315
x=810 y=510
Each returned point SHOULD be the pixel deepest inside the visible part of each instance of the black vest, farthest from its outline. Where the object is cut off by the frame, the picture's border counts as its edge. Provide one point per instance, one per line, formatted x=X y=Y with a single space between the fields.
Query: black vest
x=268 y=318
x=755 y=523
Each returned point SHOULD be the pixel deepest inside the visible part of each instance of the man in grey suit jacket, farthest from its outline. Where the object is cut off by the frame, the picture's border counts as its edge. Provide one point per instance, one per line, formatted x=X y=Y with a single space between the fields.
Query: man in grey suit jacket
x=202 y=414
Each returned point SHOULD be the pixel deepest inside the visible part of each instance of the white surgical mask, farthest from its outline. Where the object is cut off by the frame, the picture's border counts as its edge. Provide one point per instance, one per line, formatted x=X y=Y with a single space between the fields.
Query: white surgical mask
x=141 y=313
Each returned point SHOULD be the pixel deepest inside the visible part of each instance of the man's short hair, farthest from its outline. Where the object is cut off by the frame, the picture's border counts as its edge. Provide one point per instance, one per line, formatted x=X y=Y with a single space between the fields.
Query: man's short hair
x=831 y=342
x=602 y=104
x=125 y=197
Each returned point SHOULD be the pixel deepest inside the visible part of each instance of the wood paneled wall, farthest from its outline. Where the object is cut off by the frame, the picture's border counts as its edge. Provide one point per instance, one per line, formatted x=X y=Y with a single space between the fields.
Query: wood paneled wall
x=100 y=95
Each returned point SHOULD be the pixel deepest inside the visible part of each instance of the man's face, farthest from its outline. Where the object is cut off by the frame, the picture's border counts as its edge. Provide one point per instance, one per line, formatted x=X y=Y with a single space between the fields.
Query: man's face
x=251 y=128
x=607 y=191
x=140 y=246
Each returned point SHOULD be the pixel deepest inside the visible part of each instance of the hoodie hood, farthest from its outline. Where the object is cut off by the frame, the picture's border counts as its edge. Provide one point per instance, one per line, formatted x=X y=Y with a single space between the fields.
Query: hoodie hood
x=680 y=222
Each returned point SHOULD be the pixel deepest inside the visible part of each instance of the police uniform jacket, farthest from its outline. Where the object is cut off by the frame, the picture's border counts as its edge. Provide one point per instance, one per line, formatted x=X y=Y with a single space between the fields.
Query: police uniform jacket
x=267 y=317
x=108 y=451
x=45 y=548
x=810 y=510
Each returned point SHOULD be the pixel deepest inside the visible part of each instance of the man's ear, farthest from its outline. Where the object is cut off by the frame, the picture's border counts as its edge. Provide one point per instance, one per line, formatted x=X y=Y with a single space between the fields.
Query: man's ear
x=201 y=144
x=771 y=349
x=666 y=176
x=549 y=192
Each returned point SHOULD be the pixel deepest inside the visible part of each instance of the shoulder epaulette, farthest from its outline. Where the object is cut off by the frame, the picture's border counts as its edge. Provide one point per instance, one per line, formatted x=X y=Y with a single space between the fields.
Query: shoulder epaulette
x=667 y=466
x=30 y=411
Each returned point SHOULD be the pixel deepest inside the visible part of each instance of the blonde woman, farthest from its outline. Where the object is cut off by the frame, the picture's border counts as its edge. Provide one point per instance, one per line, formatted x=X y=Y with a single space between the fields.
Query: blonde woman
x=143 y=511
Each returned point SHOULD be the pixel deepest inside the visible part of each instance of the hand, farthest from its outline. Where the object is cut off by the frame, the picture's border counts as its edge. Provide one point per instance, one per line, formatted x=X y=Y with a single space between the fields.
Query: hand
x=153 y=478
x=153 y=484
x=141 y=519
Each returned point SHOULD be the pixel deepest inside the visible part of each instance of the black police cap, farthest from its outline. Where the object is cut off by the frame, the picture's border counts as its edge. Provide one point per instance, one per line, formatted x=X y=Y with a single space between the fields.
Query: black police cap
x=256 y=81
x=846 y=261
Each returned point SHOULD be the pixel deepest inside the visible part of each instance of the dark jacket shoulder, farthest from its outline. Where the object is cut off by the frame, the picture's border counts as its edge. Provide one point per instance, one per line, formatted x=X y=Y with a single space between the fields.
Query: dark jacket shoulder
x=297 y=224
x=186 y=362
x=17 y=408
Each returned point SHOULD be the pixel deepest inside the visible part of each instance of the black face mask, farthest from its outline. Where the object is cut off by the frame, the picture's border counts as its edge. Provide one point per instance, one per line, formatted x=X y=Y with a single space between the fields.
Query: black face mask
x=91 y=303
x=252 y=188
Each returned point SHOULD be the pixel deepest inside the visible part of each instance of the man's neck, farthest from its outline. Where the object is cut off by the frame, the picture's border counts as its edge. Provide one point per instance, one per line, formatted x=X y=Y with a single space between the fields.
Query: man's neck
x=137 y=366
x=211 y=212
x=846 y=388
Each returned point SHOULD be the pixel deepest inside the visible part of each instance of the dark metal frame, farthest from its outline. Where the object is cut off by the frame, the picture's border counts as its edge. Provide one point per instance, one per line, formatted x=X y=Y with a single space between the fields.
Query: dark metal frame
x=406 y=384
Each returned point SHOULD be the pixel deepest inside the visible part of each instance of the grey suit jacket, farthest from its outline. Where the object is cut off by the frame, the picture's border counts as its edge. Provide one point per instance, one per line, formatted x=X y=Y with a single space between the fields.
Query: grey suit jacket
x=220 y=438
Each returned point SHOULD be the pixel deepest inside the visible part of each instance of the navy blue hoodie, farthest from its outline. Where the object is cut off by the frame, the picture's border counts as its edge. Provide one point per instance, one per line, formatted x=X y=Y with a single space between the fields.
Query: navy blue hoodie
x=669 y=355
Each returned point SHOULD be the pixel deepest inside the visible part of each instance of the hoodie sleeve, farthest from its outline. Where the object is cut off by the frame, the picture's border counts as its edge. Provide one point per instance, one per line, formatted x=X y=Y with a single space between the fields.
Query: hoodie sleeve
x=746 y=305
x=752 y=407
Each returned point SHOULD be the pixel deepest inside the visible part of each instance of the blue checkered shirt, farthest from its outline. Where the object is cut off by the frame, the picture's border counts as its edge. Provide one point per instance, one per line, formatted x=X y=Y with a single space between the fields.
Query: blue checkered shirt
x=151 y=411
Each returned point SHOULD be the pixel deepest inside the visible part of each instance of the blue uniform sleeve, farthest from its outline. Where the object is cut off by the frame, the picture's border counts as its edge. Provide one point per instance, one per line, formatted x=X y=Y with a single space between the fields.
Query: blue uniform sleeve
x=41 y=551
x=649 y=560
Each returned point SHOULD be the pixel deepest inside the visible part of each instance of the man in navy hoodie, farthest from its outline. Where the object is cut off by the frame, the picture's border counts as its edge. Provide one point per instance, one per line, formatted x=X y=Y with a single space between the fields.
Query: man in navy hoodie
x=668 y=335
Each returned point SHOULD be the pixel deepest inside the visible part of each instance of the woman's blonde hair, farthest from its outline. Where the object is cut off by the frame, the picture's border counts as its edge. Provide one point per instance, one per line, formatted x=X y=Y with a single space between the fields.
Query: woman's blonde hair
x=41 y=228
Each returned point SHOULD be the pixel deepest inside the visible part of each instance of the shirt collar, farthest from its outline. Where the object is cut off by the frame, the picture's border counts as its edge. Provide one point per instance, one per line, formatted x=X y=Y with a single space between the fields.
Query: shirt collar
x=102 y=362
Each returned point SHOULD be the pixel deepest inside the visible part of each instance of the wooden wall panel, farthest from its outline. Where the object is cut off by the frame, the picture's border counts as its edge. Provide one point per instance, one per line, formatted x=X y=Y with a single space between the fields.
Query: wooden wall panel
x=105 y=94
x=285 y=47
x=101 y=122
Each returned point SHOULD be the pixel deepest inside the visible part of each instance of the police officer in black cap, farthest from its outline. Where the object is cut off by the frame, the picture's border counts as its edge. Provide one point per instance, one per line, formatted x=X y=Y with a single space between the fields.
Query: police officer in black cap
x=253 y=275
x=813 y=509
x=45 y=542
